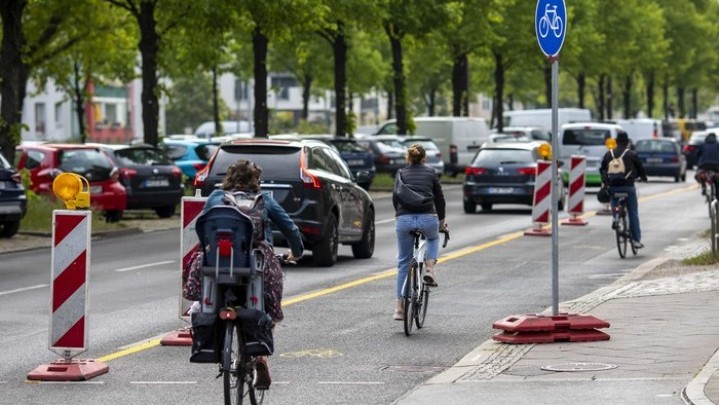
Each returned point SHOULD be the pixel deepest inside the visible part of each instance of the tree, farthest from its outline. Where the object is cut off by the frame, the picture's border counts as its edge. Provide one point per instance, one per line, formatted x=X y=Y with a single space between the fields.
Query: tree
x=190 y=102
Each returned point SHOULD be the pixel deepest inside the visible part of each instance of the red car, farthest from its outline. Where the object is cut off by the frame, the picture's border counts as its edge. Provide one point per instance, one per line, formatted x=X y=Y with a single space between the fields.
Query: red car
x=46 y=161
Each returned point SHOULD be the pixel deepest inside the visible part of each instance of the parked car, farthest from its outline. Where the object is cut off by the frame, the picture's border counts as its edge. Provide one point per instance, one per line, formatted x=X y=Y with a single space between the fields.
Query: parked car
x=434 y=155
x=533 y=133
x=504 y=138
x=190 y=156
x=503 y=173
x=662 y=157
x=150 y=179
x=13 y=199
x=313 y=184
x=388 y=150
x=46 y=161
x=358 y=158
x=691 y=148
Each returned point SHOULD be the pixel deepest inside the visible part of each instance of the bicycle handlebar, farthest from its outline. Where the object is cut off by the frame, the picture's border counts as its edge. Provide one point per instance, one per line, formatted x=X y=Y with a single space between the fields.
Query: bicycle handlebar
x=446 y=237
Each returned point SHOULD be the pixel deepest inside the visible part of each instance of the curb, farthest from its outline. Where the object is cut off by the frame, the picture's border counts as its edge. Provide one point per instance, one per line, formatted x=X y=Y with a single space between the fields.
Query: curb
x=694 y=393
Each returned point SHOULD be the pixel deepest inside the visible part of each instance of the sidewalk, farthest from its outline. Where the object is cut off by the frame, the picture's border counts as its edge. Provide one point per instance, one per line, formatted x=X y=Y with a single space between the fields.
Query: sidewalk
x=664 y=332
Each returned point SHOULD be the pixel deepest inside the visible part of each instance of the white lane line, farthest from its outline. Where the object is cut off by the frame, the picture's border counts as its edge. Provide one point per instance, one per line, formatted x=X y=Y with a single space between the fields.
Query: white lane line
x=351 y=382
x=3 y=382
x=34 y=287
x=142 y=266
x=163 y=382
x=384 y=221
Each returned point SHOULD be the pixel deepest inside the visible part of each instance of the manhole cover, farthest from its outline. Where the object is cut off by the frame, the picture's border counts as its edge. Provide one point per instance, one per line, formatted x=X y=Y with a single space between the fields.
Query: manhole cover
x=579 y=367
x=415 y=369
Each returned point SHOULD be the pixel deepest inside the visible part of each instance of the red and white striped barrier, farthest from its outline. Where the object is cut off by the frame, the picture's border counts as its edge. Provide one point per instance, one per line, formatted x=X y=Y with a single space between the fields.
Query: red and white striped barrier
x=542 y=199
x=575 y=206
x=189 y=211
x=70 y=265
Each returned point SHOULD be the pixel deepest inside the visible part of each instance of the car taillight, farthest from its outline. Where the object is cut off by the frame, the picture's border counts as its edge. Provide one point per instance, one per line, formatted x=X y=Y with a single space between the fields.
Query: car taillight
x=689 y=148
x=675 y=159
x=114 y=174
x=127 y=173
x=176 y=171
x=308 y=179
x=527 y=171
x=384 y=159
x=199 y=166
x=201 y=177
x=469 y=171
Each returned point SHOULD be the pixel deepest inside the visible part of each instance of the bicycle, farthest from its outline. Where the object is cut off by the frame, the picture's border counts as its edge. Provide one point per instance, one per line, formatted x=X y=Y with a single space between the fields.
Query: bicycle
x=550 y=20
x=622 y=231
x=416 y=291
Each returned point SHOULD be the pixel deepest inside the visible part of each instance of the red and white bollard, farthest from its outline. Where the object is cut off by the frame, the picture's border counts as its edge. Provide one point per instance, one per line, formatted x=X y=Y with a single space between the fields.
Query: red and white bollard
x=69 y=298
x=542 y=200
x=575 y=206
x=189 y=211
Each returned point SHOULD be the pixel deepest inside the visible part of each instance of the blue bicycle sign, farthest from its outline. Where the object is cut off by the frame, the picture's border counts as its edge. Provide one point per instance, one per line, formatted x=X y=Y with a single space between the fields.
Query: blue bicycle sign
x=549 y=24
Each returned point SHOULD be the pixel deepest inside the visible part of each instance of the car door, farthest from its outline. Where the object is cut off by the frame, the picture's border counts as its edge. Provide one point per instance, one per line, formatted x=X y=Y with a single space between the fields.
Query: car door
x=353 y=198
x=324 y=165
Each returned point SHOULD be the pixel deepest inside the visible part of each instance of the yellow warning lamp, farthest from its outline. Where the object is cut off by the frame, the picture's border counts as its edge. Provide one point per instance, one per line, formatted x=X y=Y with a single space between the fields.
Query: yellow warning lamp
x=545 y=151
x=610 y=143
x=73 y=189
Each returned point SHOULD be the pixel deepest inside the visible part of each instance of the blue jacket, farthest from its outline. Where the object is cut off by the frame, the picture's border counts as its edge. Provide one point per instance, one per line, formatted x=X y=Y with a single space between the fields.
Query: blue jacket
x=708 y=153
x=275 y=214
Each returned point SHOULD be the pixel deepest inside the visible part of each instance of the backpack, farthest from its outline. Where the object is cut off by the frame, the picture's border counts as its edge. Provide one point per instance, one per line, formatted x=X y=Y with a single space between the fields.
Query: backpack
x=253 y=205
x=616 y=170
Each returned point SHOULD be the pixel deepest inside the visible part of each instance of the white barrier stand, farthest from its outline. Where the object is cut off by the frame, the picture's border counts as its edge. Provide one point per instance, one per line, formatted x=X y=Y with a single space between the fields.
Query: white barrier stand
x=70 y=267
x=189 y=211
x=542 y=200
x=575 y=205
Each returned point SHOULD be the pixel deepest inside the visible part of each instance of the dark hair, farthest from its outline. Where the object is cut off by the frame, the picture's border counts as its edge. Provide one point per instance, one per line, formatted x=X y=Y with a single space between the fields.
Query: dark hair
x=242 y=175
x=415 y=154
x=622 y=138
x=710 y=138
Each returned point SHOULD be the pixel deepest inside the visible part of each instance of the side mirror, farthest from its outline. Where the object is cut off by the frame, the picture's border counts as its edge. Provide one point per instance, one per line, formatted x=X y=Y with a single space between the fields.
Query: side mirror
x=362 y=176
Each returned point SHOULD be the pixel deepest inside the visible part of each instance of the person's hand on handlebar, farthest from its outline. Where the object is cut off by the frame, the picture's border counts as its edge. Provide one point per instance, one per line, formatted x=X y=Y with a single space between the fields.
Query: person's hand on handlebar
x=443 y=227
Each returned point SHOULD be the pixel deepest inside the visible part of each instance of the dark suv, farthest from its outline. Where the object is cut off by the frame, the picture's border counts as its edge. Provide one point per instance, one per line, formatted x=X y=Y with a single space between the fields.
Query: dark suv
x=313 y=184
x=13 y=201
x=150 y=178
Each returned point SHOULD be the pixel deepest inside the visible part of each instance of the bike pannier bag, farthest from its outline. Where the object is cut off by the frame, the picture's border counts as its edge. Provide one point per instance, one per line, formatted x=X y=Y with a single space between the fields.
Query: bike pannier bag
x=206 y=338
x=256 y=332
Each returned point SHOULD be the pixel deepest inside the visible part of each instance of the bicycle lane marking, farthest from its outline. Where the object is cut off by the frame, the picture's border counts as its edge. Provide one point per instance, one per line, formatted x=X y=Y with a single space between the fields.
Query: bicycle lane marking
x=149 y=344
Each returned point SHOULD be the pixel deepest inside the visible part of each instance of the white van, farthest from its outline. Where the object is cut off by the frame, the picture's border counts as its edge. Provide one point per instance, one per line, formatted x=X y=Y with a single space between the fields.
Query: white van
x=207 y=129
x=586 y=139
x=543 y=117
x=458 y=138
x=641 y=128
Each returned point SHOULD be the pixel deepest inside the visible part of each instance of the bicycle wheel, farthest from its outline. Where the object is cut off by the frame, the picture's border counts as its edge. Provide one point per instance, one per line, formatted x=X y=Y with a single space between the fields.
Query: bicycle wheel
x=410 y=298
x=422 y=304
x=621 y=234
x=231 y=378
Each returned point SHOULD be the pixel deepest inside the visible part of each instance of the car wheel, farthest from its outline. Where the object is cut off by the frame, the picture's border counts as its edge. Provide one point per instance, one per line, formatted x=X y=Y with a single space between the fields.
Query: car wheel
x=113 y=215
x=8 y=229
x=684 y=177
x=365 y=248
x=486 y=206
x=677 y=178
x=324 y=253
x=166 y=211
x=470 y=207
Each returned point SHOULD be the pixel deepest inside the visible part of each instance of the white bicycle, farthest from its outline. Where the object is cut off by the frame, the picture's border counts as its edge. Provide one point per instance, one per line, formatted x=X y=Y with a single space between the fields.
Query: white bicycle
x=550 y=20
x=415 y=291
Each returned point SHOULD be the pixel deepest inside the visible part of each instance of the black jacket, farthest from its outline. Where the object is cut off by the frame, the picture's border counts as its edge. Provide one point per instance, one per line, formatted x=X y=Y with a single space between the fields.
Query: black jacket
x=424 y=180
x=632 y=165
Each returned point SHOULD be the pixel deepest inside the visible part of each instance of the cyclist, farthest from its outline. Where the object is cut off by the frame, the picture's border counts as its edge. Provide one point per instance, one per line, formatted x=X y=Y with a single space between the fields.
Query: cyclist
x=708 y=160
x=244 y=175
x=624 y=183
x=430 y=219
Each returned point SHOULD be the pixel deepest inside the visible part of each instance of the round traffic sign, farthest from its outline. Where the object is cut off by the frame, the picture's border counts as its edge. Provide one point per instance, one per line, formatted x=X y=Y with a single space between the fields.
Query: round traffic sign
x=550 y=25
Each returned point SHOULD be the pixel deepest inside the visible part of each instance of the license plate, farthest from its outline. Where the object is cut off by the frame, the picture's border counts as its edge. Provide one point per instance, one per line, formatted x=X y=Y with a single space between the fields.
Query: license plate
x=157 y=183
x=654 y=160
x=355 y=162
x=501 y=190
x=95 y=189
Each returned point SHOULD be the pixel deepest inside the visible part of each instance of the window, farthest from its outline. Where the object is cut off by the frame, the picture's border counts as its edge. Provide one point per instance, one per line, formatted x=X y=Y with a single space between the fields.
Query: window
x=58 y=115
x=111 y=113
x=585 y=137
x=34 y=159
x=240 y=90
x=282 y=86
x=40 y=118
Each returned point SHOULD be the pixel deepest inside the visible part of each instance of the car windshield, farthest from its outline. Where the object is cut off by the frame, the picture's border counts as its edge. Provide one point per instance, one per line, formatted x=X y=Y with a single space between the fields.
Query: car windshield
x=277 y=162
x=427 y=145
x=585 y=136
x=141 y=156
x=655 y=146
x=502 y=157
x=84 y=162
x=390 y=146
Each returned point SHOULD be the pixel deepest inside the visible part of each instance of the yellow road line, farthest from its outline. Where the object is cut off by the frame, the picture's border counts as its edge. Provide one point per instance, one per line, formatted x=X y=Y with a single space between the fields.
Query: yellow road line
x=377 y=276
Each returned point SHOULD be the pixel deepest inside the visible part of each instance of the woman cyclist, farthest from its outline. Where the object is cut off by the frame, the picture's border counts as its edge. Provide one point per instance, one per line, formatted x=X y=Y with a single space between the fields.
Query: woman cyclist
x=430 y=220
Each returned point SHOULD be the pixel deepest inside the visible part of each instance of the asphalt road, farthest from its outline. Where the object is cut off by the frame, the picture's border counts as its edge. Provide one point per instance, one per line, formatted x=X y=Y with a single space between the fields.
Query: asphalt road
x=334 y=347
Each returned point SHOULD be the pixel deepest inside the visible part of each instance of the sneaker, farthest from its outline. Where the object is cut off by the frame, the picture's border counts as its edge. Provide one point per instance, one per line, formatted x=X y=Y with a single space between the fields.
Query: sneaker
x=263 y=380
x=615 y=223
x=429 y=279
x=398 y=315
x=637 y=245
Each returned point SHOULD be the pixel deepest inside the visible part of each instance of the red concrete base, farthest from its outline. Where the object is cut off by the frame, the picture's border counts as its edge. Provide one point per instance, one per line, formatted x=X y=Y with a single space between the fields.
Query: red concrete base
x=576 y=221
x=75 y=370
x=538 y=232
x=562 y=327
x=180 y=337
x=584 y=335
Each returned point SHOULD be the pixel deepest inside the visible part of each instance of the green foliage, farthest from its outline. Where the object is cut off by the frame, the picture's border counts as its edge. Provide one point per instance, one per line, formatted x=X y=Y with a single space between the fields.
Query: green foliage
x=39 y=215
x=190 y=103
x=309 y=128
x=702 y=259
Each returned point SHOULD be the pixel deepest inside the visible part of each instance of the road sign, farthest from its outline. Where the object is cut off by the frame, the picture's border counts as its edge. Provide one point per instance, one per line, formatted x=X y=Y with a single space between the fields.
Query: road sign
x=550 y=25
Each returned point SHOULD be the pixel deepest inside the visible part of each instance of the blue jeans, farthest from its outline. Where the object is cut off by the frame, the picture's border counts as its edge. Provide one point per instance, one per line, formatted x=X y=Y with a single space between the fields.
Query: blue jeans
x=429 y=225
x=632 y=208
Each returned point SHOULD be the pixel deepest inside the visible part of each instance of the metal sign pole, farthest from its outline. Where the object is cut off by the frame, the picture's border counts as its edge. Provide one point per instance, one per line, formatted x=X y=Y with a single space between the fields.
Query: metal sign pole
x=555 y=196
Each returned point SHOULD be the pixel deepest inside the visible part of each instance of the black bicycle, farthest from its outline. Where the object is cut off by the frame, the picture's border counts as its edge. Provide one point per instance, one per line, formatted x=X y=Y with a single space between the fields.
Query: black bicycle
x=621 y=227
x=416 y=291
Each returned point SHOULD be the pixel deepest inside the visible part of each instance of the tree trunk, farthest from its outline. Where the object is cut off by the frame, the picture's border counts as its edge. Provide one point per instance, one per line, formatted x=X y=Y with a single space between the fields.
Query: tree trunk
x=398 y=79
x=548 y=84
x=499 y=89
x=340 y=54
x=149 y=50
x=627 y=96
x=390 y=105
x=610 y=97
x=261 y=116
x=695 y=100
x=306 y=93
x=219 y=130
x=460 y=86
x=12 y=88
x=78 y=87
x=600 y=102
x=650 y=95
x=665 y=99
x=581 y=88
x=680 y=102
